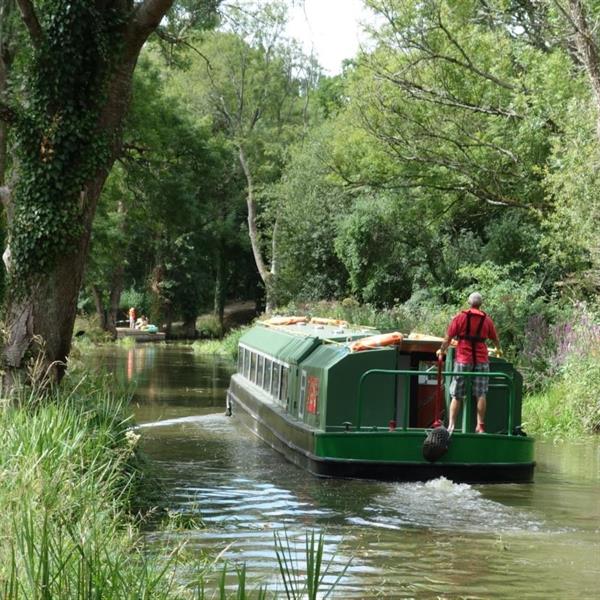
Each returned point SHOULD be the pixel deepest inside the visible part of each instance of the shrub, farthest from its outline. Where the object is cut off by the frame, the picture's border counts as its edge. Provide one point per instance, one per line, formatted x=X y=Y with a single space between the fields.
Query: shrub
x=93 y=333
x=548 y=413
x=209 y=327
x=563 y=360
x=139 y=300
x=228 y=346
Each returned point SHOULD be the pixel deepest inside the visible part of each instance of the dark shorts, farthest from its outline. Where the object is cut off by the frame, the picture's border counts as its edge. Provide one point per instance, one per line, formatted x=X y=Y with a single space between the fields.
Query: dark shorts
x=480 y=384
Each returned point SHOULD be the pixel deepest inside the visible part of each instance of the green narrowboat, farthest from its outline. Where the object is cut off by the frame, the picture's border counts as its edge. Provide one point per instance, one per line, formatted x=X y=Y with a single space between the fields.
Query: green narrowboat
x=340 y=408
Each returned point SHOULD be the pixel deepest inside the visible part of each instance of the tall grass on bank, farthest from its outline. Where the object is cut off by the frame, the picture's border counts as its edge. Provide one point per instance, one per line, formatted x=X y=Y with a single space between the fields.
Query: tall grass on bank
x=66 y=485
x=562 y=366
x=70 y=476
x=227 y=347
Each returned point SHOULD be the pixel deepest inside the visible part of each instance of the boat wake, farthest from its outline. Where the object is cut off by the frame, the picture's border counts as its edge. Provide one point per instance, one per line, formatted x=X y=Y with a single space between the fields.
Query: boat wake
x=444 y=505
x=201 y=420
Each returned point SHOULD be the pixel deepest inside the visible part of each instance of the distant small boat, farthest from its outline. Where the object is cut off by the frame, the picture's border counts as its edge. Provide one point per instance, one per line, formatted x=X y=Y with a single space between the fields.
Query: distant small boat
x=346 y=401
x=149 y=334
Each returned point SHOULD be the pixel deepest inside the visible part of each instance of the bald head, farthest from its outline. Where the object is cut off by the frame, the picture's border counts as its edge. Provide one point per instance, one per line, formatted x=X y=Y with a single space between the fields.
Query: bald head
x=475 y=300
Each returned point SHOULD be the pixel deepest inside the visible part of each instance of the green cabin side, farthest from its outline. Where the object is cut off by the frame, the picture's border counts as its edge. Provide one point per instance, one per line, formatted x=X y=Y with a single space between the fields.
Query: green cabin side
x=312 y=375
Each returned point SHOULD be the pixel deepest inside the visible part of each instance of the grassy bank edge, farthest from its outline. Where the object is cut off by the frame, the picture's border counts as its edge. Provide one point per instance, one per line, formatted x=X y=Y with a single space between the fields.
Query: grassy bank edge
x=72 y=482
x=226 y=347
x=70 y=479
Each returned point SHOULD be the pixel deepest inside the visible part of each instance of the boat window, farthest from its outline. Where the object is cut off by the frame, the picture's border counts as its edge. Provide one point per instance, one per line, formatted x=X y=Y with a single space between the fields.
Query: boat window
x=302 y=394
x=260 y=370
x=275 y=380
x=284 y=384
x=240 y=366
x=247 y=355
x=268 y=372
x=252 y=367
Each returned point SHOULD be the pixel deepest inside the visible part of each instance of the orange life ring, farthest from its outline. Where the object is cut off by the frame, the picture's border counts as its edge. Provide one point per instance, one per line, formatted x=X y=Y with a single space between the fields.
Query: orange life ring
x=377 y=341
x=333 y=322
x=285 y=320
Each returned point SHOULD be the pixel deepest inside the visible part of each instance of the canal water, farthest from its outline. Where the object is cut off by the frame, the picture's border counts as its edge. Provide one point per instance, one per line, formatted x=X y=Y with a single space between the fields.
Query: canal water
x=394 y=540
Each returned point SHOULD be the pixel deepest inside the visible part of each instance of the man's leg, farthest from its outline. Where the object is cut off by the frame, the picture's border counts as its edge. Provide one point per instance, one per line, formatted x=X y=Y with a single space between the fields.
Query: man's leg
x=481 y=406
x=454 y=408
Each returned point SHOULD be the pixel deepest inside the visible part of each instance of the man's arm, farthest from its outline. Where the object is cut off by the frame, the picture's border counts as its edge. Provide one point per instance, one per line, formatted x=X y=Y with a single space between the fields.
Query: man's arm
x=452 y=332
x=444 y=345
x=493 y=336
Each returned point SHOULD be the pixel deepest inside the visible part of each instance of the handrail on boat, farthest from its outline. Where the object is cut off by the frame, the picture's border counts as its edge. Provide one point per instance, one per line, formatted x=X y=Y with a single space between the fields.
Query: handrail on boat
x=407 y=374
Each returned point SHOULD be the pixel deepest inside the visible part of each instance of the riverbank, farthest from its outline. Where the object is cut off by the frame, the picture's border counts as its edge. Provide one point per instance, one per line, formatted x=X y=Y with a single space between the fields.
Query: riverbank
x=70 y=482
x=75 y=493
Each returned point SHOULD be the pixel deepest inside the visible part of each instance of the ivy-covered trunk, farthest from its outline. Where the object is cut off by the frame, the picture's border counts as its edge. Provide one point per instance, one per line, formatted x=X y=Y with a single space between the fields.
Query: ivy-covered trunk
x=40 y=322
x=68 y=134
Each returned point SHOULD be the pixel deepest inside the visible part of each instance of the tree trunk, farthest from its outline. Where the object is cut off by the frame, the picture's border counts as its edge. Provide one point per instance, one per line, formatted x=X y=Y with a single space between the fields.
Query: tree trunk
x=99 y=304
x=189 y=328
x=168 y=314
x=219 y=297
x=265 y=273
x=40 y=323
x=587 y=48
x=40 y=319
x=116 y=289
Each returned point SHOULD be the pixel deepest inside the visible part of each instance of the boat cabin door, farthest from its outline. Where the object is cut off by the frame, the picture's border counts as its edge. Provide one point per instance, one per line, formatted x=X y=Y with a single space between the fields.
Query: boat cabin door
x=402 y=364
x=425 y=395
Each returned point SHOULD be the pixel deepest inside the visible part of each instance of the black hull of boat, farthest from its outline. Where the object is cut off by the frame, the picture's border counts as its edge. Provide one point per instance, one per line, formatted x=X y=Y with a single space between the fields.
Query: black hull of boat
x=296 y=442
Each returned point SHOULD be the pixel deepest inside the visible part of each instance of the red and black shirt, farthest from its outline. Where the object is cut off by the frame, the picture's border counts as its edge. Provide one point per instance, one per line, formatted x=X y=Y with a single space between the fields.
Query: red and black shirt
x=472 y=330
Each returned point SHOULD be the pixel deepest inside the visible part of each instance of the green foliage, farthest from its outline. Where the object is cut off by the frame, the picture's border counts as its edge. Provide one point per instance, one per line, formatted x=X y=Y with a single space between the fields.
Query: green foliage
x=582 y=383
x=228 y=346
x=58 y=145
x=376 y=245
x=133 y=297
x=549 y=413
x=208 y=326
x=309 y=211
x=171 y=208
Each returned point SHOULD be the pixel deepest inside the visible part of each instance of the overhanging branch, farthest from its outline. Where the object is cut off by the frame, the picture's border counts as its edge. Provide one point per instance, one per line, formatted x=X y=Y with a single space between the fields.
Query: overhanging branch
x=31 y=21
x=149 y=14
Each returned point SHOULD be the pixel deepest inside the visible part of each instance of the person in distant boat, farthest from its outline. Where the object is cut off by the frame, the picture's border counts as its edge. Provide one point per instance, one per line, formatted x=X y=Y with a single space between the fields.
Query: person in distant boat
x=471 y=328
x=132 y=318
x=141 y=322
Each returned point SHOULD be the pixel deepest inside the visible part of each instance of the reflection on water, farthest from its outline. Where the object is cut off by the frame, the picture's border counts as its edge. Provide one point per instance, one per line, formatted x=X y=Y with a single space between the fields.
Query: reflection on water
x=413 y=540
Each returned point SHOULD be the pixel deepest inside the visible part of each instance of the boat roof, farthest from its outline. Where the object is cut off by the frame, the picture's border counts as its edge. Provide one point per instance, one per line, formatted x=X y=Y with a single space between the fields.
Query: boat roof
x=332 y=333
x=292 y=342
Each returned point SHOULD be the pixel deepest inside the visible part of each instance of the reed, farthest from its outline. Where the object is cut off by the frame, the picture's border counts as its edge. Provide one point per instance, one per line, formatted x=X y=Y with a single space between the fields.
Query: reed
x=70 y=477
x=297 y=583
x=67 y=479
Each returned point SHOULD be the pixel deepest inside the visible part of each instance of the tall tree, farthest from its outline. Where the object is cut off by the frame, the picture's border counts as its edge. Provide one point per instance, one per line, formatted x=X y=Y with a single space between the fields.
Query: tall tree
x=81 y=59
x=588 y=48
x=256 y=83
